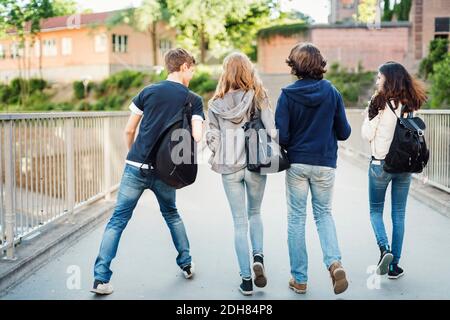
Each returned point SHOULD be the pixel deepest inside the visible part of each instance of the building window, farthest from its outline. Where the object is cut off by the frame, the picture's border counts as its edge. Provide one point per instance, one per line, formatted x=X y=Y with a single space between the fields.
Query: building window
x=442 y=25
x=441 y=36
x=120 y=43
x=66 y=46
x=100 y=42
x=37 y=48
x=15 y=52
x=348 y=4
x=2 y=52
x=49 y=48
x=165 y=45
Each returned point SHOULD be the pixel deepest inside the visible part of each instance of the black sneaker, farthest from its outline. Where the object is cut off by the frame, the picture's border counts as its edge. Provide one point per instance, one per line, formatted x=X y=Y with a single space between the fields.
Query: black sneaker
x=258 y=268
x=246 y=287
x=386 y=258
x=395 y=271
x=188 y=271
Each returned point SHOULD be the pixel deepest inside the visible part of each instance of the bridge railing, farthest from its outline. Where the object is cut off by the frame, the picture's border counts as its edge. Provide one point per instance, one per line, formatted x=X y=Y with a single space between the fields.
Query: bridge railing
x=437 y=172
x=53 y=164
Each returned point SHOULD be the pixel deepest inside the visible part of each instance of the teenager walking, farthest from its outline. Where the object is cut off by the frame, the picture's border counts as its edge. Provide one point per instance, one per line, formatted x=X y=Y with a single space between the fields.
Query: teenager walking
x=154 y=108
x=395 y=86
x=310 y=118
x=240 y=95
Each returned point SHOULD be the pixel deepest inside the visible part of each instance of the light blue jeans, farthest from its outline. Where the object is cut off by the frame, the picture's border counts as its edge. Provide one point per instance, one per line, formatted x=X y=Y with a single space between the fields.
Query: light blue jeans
x=378 y=183
x=237 y=186
x=300 y=178
x=131 y=188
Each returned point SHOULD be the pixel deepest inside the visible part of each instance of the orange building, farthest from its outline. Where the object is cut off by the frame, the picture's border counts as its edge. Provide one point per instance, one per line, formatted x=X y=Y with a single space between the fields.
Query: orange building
x=82 y=47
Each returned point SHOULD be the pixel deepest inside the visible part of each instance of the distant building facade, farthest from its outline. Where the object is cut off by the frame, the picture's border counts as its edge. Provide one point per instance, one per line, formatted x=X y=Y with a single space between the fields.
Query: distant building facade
x=83 y=47
x=342 y=11
x=353 y=44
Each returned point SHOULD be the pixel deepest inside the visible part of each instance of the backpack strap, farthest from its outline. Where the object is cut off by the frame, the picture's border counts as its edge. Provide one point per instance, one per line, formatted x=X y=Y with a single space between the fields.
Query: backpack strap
x=392 y=108
x=410 y=115
x=188 y=105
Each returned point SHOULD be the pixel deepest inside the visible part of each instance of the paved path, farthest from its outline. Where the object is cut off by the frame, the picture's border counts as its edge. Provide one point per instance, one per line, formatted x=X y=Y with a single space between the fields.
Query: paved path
x=145 y=266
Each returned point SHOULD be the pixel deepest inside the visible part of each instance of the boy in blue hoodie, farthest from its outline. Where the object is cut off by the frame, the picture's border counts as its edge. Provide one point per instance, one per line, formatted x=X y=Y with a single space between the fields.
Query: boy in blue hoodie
x=310 y=117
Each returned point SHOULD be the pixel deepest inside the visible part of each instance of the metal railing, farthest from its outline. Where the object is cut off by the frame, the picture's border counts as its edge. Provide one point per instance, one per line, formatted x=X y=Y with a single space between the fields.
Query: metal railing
x=437 y=134
x=53 y=164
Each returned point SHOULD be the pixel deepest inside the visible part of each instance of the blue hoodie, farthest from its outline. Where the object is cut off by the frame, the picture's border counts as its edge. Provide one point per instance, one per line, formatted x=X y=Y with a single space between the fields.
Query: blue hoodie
x=310 y=117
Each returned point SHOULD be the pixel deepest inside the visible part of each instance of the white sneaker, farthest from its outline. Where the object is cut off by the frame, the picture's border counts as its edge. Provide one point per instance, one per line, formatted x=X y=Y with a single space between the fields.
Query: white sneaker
x=102 y=288
x=188 y=271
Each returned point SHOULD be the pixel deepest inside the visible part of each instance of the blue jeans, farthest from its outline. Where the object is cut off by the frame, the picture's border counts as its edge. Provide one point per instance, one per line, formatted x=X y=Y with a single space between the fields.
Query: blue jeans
x=131 y=188
x=378 y=183
x=236 y=185
x=299 y=179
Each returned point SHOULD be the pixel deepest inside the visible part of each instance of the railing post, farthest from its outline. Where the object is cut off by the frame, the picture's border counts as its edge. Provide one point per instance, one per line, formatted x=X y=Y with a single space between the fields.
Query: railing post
x=70 y=165
x=107 y=158
x=10 y=214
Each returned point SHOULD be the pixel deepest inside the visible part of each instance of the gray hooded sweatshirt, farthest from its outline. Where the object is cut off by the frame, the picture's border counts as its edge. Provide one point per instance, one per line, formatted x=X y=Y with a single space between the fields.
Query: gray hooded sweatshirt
x=226 y=137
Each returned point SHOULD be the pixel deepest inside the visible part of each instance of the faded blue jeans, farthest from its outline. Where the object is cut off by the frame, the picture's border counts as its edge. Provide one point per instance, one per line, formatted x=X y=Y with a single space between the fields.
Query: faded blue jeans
x=131 y=188
x=378 y=183
x=246 y=213
x=301 y=178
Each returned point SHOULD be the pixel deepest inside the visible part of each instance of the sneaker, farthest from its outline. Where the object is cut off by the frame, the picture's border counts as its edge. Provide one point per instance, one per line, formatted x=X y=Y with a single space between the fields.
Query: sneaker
x=260 y=274
x=395 y=271
x=338 y=278
x=297 y=287
x=386 y=258
x=188 y=271
x=102 y=288
x=246 y=287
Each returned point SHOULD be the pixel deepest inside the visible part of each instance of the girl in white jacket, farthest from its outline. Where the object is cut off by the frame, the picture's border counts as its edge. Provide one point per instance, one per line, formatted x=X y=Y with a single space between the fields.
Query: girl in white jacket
x=406 y=95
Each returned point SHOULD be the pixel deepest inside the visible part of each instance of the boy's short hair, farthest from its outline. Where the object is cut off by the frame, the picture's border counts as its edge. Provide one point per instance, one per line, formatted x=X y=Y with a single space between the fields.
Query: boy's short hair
x=175 y=58
x=306 y=61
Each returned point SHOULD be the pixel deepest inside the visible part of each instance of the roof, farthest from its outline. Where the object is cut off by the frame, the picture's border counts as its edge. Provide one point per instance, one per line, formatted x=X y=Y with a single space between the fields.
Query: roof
x=66 y=22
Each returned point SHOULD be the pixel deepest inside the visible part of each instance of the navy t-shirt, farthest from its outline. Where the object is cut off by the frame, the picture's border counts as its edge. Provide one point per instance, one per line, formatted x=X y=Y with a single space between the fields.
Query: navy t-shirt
x=158 y=104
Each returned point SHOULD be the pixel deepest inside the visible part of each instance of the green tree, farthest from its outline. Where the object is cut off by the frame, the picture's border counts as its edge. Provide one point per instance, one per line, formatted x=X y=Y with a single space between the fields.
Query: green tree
x=388 y=13
x=21 y=20
x=367 y=10
x=64 y=7
x=402 y=9
x=440 y=89
x=202 y=22
x=242 y=31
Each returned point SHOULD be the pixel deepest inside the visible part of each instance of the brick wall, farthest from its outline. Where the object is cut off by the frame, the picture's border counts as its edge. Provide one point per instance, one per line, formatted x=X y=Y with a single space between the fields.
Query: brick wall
x=346 y=45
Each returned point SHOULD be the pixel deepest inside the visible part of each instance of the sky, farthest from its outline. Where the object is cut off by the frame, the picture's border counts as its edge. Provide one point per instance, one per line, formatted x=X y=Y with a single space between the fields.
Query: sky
x=317 y=9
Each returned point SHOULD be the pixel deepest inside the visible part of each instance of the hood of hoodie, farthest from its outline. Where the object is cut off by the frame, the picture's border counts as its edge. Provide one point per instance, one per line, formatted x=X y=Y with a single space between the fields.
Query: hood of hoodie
x=309 y=92
x=233 y=106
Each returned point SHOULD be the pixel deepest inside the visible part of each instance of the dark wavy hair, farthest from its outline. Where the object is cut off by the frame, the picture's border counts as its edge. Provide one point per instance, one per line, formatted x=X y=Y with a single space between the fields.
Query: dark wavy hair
x=400 y=87
x=306 y=62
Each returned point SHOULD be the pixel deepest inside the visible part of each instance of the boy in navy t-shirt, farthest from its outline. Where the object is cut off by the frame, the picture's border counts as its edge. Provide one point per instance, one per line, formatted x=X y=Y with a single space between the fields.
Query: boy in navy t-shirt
x=154 y=107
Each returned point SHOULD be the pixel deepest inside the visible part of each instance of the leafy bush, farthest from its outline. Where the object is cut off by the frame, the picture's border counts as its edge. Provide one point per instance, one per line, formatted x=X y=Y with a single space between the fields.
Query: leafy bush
x=78 y=90
x=203 y=83
x=351 y=84
x=37 y=84
x=440 y=90
x=438 y=52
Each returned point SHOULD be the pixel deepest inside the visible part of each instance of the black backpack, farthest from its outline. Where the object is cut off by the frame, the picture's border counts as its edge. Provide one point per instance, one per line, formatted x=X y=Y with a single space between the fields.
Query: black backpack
x=408 y=151
x=261 y=153
x=171 y=165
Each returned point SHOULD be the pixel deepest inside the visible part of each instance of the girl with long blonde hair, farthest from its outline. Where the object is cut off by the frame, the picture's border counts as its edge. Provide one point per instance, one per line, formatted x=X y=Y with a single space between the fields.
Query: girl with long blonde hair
x=240 y=96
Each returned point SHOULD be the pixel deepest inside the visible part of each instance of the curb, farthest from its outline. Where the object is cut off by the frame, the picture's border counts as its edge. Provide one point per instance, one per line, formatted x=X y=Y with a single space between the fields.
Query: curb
x=34 y=254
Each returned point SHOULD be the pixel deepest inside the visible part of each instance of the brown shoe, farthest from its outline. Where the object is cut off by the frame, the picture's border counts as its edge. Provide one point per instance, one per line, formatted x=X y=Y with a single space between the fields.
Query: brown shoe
x=337 y=273
x=297 y=287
